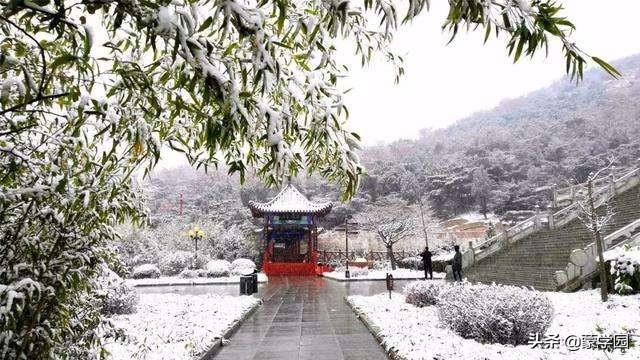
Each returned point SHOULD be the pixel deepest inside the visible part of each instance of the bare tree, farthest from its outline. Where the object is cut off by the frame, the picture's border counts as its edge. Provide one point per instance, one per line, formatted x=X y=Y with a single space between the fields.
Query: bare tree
x=393 y=221
x=595 y=221
x=427 y=218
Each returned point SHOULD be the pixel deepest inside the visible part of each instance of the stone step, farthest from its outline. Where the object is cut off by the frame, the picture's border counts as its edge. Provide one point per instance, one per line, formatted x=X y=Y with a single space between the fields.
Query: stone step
x=532 y=261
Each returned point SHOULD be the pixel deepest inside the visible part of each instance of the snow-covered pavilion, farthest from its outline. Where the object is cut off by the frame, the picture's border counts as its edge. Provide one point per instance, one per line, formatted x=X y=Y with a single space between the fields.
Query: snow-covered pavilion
x=290 y=233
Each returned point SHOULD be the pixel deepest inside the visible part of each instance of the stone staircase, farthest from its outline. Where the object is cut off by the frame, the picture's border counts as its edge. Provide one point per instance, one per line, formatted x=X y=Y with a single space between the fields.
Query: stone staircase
x=539 y=247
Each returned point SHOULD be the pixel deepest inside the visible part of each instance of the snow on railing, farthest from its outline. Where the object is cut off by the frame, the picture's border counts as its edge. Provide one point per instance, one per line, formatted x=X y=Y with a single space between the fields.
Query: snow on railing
x=569 y=194
x=583 y=262
x=524 y=228
x=514 y=233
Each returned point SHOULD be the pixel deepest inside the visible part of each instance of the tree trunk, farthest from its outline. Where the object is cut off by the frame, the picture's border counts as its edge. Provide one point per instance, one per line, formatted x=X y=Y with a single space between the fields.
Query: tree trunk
x=599 y=246
x=424 y=226
x=391 y=257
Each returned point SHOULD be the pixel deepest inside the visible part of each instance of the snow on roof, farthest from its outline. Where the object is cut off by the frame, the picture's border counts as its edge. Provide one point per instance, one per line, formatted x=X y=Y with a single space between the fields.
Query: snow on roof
x=289 y=200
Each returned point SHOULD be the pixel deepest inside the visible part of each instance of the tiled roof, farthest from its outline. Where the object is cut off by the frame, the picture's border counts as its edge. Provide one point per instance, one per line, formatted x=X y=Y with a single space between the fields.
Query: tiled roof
x=289 y=200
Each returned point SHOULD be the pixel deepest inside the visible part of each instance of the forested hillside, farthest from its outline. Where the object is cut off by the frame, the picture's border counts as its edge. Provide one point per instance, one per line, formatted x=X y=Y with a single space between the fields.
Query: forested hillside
x=506 y=158
x=502 y=159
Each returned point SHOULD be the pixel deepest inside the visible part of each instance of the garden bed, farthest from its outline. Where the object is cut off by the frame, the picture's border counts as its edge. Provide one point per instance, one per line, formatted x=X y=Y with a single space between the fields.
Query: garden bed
x=176 y=327
x=410 y=332
x=398 y=274
x=175 y=280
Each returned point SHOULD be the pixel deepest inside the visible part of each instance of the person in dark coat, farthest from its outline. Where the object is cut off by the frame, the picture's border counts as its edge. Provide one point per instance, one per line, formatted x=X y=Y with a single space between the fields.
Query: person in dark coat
x=456 y=266
x=426 y=263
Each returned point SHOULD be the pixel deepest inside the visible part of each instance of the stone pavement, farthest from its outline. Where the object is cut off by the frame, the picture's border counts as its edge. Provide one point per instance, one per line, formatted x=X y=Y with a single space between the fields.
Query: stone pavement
x=306 y=318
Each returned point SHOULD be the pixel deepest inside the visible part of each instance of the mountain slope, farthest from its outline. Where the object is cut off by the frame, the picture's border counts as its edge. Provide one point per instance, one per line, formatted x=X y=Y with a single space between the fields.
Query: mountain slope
x=554 y=135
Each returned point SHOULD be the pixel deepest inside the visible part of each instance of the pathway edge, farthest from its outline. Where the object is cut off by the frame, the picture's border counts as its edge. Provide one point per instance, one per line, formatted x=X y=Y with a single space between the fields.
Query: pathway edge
x=375 y=331
x=217 y=342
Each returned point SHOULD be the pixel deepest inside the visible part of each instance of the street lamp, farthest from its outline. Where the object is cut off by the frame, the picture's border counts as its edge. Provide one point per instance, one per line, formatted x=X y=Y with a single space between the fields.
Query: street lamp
x=196 y=234
x=346 y=243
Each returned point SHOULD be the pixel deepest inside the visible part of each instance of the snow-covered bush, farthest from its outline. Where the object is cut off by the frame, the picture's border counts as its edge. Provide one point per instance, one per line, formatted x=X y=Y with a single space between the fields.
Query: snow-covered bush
x=173 y=262
x=242 y=266
x=202 y=272
x=136 y=246
x=354 y=271
x=145 y=271
x=118 y=297
x=357 y=271
x=423 y=293
x=411 y=262
x=494 y=313
x=218 y=268
x=232 y=243
x=188 y=274
x=201 y=261
x=382 y=265
x=625 y=269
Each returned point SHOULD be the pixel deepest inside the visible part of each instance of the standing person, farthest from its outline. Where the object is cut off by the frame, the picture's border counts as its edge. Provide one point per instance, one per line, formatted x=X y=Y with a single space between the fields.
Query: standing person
x=426 y=263
x=456 y=267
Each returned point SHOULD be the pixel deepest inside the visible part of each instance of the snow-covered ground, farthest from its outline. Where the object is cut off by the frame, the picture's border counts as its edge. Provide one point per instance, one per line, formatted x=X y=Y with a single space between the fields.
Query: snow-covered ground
x=416 y=334
x=398 y=274
x=176 y=327
x=175 y=280
x=476 y=216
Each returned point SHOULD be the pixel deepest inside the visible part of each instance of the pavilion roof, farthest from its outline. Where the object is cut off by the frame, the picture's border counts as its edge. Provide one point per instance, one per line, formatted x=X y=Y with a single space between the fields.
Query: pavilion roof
x=289 y=200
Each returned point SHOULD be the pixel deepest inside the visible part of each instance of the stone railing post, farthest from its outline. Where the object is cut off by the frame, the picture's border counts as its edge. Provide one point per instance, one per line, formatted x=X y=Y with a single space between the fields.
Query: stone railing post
x=573 y=195
x=554 y=195
x=536 y=219
x=550 y=220
x=612 y=178
x=505 y=237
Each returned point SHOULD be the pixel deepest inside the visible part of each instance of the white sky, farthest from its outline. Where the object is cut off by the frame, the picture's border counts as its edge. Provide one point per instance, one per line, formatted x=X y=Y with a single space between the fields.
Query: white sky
x=446 y=83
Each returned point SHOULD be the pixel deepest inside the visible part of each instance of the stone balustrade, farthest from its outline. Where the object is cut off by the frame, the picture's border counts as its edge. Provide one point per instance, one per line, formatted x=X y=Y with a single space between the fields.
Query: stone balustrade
x=583 y=262
x=605 y=189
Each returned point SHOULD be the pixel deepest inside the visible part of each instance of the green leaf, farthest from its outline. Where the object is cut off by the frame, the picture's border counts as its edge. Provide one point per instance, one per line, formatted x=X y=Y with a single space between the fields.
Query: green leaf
x=607 y=67
x=63 y=59
x=206 y=24
x=229 y=49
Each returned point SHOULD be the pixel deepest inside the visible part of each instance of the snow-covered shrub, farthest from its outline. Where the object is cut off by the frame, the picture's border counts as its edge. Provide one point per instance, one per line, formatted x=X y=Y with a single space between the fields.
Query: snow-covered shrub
x=137 y=246
x=118 y=297
x=382 y=265
x=201 y=261
x=423 y=293
x=232 y=243
x=625 y=269
x=146 y=271
x=242 y=266
x=354 y=271
x=218 y=268
x=411 y=262
x=202 y=272
x=494 y=313
x=188 y=274
x=173 y=262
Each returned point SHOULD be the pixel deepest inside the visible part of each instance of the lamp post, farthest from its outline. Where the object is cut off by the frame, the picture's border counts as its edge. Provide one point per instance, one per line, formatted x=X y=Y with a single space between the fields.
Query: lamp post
x=196 y=234
x=346 y=243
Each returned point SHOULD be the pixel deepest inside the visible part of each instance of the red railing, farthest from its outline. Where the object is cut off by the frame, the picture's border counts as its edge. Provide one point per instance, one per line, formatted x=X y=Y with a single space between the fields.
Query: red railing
x=283 y=268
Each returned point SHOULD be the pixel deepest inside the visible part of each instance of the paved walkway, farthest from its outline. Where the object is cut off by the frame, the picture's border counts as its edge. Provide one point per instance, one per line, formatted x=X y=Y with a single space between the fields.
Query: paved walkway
x=306 y=318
